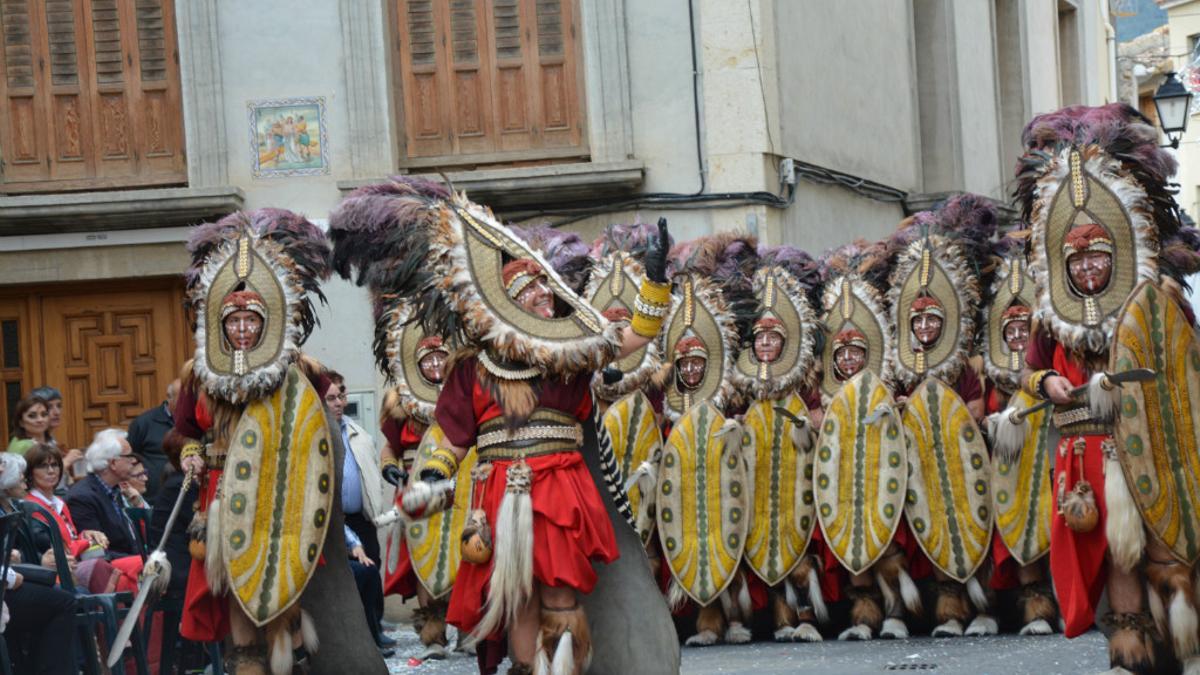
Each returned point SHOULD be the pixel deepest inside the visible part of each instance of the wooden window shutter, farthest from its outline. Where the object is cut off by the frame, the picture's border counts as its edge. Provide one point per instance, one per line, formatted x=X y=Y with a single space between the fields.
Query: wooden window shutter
x=489 y=80
x=106 y=80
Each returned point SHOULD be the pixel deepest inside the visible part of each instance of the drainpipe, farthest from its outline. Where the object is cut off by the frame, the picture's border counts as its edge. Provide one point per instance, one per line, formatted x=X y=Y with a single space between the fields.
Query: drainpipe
x=1111 y=40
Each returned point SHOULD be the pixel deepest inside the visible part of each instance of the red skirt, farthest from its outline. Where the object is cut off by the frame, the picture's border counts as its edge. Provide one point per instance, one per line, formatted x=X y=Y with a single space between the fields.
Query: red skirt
x=1004 y=565
x=1077 y=560
x=571 y=529
x=205 y=617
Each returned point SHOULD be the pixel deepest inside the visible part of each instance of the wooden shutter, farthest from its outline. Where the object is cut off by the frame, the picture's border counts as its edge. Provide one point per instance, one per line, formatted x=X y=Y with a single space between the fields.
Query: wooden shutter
x=97 y=84
x=489 y=80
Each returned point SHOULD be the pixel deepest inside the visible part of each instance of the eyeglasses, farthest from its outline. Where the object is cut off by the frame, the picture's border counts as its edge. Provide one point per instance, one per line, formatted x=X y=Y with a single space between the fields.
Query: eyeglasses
x=335 y=397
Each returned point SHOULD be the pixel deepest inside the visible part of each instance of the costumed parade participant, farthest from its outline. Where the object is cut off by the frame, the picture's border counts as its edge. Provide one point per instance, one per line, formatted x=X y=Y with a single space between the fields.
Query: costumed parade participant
x=422 y=557
x=776 y=374
x=935 y=301
x=1021 y=496
x=702 y=531
x=519 y=391
x=1109 y=256
x=630 y=416
x=249 y=402
x=860 y=469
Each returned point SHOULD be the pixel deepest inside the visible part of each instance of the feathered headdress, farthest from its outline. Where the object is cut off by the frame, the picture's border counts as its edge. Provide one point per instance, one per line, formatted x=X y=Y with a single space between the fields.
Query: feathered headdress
x=730 y=260
x=1103 y=166
x=938 y=258
x=566 y=252
x=784 y=284
x=274 y=254
x=444 y=255
x=617 y=274
x=1012 y=287
x=854 y=285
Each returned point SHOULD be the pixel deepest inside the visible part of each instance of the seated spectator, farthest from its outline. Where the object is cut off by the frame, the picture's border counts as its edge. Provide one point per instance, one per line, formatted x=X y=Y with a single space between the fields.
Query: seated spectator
x=146 y=435
x=370 y=587
x=42 y=618
x=30 y=425
x=133 y=489
x=54 y=406
x=44 y=467
x=96 y=501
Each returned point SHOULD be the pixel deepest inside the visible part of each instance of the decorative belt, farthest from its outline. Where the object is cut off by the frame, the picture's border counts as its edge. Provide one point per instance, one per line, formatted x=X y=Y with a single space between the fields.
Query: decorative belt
x=1078 y=421
x=547 y=432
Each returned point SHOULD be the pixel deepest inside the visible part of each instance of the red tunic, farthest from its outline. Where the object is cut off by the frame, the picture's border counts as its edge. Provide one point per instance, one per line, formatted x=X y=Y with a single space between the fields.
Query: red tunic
x=401 y=581
x=1077 y=559
x=571 y=528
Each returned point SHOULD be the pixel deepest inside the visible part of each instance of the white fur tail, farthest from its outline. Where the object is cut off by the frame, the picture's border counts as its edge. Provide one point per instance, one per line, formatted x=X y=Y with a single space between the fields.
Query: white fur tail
x=978 y=597
x=1184 y=626
x=745 y=604
x=214 y=571
x=281 y=653
x=1103 y=398
x=676 y=596
x=789 y=595
x=564 y=656
x=308 y=633
x=816 y=598
x=908 y=591
x=512 y=572
x=1126 y=536
x=158 y=565
x=1009 y=435
x=889 y=596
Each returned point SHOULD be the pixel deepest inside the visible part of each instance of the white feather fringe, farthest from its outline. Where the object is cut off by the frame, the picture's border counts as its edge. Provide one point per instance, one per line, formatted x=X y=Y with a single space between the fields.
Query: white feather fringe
x=308 y=633
x=511 y=584
x=1126 y=536
x=564 y=656
x=978 y=597
x=214 y=567
x=908 y=591
x=1102 y=402
x=816 y=598
x=1010 y=436
x=281 y=654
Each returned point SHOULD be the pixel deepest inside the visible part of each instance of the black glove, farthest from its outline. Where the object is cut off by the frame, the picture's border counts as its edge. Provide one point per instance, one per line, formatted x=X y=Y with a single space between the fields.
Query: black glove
x=656 y=255
x=611 y=375
x=432 y=475
x=395 y=475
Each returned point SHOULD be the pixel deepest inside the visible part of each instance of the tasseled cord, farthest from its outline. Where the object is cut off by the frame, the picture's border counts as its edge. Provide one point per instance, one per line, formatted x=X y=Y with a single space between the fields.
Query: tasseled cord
x=511 y=584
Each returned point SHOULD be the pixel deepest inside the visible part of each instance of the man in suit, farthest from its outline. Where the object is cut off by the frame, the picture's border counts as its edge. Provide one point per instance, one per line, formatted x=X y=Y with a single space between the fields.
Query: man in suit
x=95 y=501
x=146 y=434
x=362 y=499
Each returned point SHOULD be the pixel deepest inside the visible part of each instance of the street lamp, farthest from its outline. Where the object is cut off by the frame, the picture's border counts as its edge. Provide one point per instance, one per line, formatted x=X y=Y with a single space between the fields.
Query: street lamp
x=1173 y=103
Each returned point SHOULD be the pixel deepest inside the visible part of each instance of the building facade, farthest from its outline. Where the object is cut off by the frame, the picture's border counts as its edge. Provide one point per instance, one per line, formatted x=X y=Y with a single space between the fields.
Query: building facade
x=802 y=121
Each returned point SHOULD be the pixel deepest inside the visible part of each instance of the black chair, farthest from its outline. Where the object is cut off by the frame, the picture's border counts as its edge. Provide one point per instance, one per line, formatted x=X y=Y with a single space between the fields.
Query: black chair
x=93 y=609
x=9 y=522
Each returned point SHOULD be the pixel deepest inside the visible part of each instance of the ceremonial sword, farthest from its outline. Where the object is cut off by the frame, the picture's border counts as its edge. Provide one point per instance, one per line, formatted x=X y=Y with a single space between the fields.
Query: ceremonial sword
x=156 y=575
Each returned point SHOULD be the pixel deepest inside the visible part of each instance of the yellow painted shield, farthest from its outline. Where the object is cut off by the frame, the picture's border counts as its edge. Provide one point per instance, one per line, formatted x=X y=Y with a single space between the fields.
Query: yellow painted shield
x=949 y=502
x=1023 y=497
x=635 y=439
x=277 y=495
x=702 y=503
x=433 y=542
x=1158 y=435
x=782 y=514
x=860 y=472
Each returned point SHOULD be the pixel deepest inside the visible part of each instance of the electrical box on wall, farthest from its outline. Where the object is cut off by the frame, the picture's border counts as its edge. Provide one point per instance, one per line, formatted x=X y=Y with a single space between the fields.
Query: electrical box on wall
x=360 y=407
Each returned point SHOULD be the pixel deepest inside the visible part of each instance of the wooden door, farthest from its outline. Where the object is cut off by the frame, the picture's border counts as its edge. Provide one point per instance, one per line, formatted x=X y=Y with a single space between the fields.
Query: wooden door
x=14 y=356
x=111 y=352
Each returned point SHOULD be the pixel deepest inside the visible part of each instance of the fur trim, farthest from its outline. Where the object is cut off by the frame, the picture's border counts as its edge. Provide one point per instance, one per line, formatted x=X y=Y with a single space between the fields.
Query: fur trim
x=511 y=583
x=865 y=610
x=308 y=633
x=953 y=259
x=401 y=400
x=1110 y=172
x=876 y=303
x=951 y=604
x=214 y=541
x=1010 y=437
x=708 y=295
x=978 y=597
x=391 y=408
x=652 y=356
x=158 y=565
x=1006 y=379
x=802 y=375
x=1170 y=587
x=1123 y=527
x=806 y=572
x=1102 y=403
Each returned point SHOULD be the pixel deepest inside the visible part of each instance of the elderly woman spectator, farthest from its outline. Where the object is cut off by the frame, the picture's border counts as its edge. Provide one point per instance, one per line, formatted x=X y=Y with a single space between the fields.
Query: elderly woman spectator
x=30 y=425
x=96 y=501
x=41 y=616
x=44 y=467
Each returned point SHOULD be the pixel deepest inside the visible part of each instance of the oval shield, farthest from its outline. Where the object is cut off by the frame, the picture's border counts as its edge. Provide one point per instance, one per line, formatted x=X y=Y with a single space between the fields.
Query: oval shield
x=433 y=542
x=277 y=496
x=1158 y=436
x=949 y=502
x=782 y=514
x=635 y=439
x=1023 y=497
x=702 y=503
x=860 y=472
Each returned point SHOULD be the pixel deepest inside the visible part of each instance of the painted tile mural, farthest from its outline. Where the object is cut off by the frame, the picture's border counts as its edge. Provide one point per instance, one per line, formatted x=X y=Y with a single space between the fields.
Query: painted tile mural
x=288 y=137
